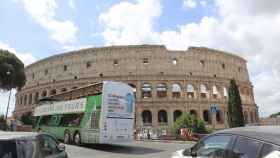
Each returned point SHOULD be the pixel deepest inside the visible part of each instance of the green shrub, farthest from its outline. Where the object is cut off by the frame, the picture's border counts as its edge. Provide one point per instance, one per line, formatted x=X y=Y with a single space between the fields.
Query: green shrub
x=191 y=122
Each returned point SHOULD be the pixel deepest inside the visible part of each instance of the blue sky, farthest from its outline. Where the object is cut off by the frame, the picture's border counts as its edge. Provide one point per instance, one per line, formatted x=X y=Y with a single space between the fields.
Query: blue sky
x=35 y=29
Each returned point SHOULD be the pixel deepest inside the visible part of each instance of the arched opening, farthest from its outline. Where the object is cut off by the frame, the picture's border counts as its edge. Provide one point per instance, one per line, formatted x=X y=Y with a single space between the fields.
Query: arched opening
x=193 y=112
x=44 y=94
x=30 y=99
x=25 y=100
x=146 y=90
x=147 y=117
x=161 y=90
x=53 y=92
x=176 y=90
x=252 y=117
x=190 y=91
x=207 y=116
x=36 y=97
x=246 y=117
x=176 y=114
x=215 y=92
x=219 y=116
x=162 y=116
x=203 y=91
x=20 y=101
x=225 y=92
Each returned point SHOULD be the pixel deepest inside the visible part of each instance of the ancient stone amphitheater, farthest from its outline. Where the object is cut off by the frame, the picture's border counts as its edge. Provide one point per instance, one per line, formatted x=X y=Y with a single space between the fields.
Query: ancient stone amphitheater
x=166 y=82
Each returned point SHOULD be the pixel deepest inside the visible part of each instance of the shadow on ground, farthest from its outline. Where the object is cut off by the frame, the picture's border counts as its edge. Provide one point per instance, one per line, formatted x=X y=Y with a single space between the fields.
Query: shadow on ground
x=133 y=150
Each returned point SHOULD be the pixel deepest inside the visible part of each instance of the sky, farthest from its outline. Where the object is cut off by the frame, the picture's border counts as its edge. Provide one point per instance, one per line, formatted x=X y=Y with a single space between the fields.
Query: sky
x=35 y=29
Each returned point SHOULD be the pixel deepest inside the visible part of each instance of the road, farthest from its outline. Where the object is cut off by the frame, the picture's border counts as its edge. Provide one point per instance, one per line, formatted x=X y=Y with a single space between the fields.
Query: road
x=138 y=149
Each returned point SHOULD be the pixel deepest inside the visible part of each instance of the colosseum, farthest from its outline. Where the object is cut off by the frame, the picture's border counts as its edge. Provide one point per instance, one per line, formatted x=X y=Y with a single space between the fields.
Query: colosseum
x=166 y=82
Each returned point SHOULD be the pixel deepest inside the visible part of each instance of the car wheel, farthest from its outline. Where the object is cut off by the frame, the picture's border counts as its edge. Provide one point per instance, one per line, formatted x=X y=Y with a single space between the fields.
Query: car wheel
x=77 y=138
x=66 y=138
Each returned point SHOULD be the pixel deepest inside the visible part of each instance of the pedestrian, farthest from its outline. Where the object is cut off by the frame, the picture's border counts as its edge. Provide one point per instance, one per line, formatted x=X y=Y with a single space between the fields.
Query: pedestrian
x=149 y=135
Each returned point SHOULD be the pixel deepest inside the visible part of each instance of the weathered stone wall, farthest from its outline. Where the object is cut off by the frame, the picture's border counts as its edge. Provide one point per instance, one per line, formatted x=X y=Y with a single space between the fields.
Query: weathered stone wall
x=150 y=64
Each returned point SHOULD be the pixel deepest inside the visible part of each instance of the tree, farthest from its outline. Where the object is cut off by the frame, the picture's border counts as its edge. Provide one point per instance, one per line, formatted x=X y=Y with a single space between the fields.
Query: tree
x=26 y=118
x=189 y=121
x=235 y=111
x=11 y=71
x=275 y=115
x=3 y=123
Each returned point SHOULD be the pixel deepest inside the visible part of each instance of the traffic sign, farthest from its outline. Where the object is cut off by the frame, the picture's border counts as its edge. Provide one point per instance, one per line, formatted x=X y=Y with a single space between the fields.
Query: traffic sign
x=213 y=109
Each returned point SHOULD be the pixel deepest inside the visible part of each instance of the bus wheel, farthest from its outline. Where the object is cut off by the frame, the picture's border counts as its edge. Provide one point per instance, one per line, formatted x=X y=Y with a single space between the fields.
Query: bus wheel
x=77 y=138
x=66 y=138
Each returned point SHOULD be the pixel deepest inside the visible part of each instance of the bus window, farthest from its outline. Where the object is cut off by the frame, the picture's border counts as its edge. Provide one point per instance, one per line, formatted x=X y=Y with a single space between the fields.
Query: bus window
x=44 y=120
x=72 y=120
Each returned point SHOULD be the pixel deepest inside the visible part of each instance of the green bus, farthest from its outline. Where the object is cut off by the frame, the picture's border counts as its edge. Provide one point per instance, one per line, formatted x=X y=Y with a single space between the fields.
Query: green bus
x=106 y=118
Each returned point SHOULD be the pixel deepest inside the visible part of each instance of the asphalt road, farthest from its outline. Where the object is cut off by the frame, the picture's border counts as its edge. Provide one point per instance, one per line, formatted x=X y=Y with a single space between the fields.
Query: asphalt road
x=137 y=149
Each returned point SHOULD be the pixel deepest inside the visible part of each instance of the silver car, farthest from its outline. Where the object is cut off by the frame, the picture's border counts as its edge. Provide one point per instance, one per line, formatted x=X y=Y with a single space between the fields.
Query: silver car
x=30 y=145
x=245 y=142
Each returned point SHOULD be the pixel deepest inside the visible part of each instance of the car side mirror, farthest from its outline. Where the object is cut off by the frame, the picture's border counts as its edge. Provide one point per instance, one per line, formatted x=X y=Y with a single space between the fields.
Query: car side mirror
x=193 y=153
x=61 y=147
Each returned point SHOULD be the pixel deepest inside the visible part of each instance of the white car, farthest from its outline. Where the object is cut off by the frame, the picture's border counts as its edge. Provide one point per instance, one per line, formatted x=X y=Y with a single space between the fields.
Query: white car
x=245 y=142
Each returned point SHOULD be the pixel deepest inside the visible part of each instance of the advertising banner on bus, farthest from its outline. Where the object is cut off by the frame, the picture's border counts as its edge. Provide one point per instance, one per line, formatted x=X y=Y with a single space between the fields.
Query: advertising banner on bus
x=117 y=114
x=72 y=106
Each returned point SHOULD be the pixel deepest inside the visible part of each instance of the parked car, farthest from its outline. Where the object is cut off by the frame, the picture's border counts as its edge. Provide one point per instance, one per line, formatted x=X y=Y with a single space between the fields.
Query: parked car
x=244 y=142
x=30 y=145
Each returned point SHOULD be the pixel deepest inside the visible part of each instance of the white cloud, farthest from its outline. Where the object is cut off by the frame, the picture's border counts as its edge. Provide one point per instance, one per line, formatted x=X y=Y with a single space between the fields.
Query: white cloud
x=26 y=58
x=71 y=4
x=203 y=3
x=130 y=22
x=189 y=3
x=250 y=29
x=44 y=12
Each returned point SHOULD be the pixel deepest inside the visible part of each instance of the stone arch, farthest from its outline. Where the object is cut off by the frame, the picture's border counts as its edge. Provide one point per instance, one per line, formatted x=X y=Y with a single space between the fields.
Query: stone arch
x=225 y=92
x=207 y=116
x=146 y=117
x=161 y=90
x=162 y=116
x=20 y=101
x=215 y=91
x=36 y=98
x=190 y=91
x=44 y=94
x=30 y=99
x=176 y=114
x=203 y=90
x=176 y=90
x=146 y=90
x=25 y=100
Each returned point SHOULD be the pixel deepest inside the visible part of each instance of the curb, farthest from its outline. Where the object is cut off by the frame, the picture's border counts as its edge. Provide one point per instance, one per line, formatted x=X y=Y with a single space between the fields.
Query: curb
x=168 y=141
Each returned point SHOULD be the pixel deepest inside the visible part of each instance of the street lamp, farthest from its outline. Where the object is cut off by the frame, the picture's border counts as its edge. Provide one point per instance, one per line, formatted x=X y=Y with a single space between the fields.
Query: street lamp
x=8 y=74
